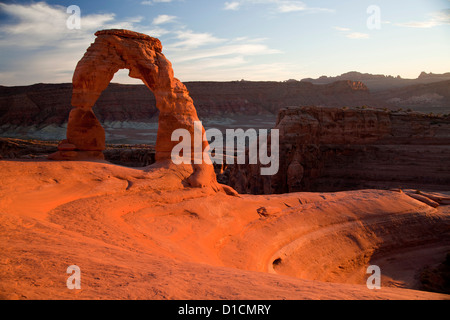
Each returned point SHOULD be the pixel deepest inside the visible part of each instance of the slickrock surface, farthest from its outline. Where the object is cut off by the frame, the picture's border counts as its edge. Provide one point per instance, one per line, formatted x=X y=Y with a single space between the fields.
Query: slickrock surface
x=142 y=234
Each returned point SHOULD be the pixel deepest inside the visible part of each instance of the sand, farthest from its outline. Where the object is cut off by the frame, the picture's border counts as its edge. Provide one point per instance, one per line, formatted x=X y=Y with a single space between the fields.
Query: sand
x=141 y=234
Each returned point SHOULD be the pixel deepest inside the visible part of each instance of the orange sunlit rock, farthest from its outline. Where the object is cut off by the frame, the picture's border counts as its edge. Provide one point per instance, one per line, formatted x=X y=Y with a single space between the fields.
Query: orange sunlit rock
x=140 y=234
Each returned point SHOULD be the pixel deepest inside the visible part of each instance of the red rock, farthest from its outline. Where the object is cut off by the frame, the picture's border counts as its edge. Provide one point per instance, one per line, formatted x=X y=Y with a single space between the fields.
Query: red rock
x=77 y=155
x=85 y=131
x=423 y=199
x=66 y=147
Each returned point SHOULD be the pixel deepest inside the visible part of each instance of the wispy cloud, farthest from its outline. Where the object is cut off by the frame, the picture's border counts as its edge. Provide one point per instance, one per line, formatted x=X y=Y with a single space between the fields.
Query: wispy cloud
x=434 y=19
x=291 y=6
x=231 y=49
x=225 y=59
x=348 y=33
x=164 y=18
x=357 y=35
x=231 y=5
x=341 y=29
x=154 y=32
x=188 y=39
x=277 y=6
x=152 y=2
x=236 y=69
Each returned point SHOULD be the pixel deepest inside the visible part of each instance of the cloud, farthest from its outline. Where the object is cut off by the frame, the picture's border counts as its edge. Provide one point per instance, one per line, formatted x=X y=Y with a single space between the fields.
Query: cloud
x=152 y=2
x=235 y=69
x=291 y=6
x=357 y=35
x=188 y=39
x=435 y=19
x=208 y=46
x=155 y=32
x=231 y=5
x=37 y=46
x=277 y=6
x=245 y=49
x=347 y=32
x=164 y=18
x=219 y=59
x=341 y=29
x=42 y=25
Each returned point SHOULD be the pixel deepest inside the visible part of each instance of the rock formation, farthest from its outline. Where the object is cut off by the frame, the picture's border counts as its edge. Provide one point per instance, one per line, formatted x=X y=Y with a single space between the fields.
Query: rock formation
x=331 y=149
x=142 y=56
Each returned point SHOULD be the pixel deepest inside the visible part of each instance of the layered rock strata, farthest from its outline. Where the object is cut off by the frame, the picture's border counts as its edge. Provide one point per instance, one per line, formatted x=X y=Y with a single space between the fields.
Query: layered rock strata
x=330 y=149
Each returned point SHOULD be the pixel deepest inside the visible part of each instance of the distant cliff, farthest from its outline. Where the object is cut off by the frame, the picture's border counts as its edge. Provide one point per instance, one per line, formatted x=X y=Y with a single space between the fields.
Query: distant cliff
x=331 y=149
x=427 y=97
x=44 y=104
x=248 y=97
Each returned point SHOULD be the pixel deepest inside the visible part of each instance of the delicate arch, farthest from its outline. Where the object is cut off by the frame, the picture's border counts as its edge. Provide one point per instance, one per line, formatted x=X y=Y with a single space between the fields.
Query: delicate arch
x=118 y=49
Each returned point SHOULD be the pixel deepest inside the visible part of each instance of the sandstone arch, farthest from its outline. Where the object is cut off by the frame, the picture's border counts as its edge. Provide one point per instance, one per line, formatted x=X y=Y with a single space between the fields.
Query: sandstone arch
x=119 y=49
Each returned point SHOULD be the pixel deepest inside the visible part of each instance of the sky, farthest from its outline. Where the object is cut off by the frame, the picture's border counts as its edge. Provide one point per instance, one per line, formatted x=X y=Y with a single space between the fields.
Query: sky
x=216 y=40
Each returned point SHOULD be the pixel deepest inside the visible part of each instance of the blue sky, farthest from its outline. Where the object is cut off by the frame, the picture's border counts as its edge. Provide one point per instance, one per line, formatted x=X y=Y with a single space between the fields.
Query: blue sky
x=235 y=39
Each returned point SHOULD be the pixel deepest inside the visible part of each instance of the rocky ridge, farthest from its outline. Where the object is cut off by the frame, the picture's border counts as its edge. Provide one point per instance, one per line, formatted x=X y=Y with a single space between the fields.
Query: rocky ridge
x=380 y=82
x=41 y=111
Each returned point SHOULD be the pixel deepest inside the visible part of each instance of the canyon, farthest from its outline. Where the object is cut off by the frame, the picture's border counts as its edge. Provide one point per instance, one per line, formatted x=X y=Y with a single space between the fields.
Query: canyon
x=129 y=114
x=323 y=149
x=331 y=149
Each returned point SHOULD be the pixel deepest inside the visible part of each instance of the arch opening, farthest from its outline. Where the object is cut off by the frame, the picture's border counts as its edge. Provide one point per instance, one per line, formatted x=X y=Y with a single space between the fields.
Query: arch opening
x=127 y=111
